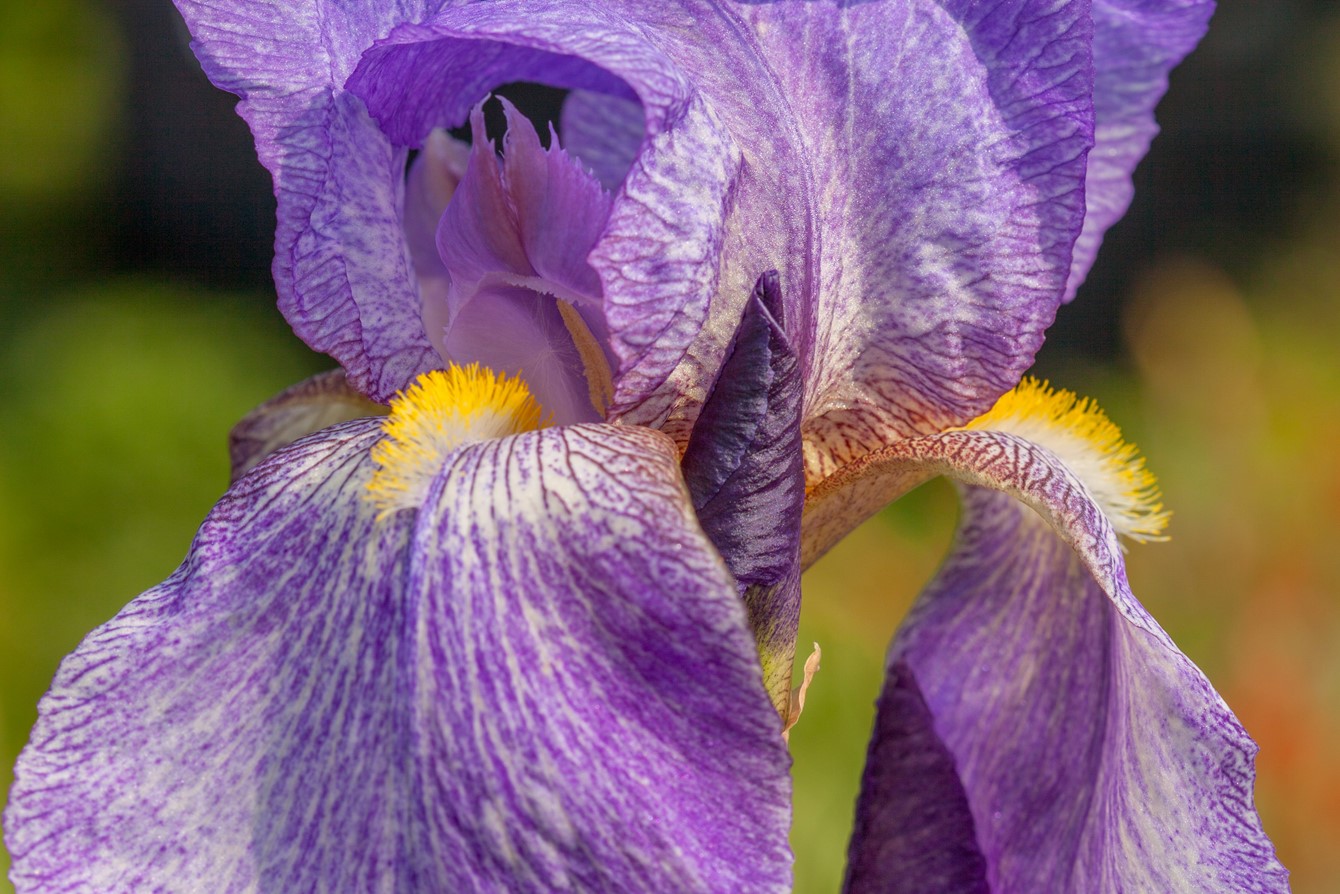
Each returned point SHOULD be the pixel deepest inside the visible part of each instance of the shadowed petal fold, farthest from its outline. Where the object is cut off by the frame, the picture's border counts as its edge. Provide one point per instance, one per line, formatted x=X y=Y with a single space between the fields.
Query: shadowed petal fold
x=541 y=680
x=1094 y=754
x=744 y=474
x=300 y=410
x=914 y=831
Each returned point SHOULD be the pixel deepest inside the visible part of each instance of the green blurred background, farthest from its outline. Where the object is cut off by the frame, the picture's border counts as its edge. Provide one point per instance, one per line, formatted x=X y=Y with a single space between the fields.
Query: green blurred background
x=136 y=326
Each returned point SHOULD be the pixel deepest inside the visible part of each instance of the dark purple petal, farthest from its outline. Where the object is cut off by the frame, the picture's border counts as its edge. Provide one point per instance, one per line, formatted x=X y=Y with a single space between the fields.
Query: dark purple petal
x=316 y=403
x=914 y=831
x=744 y=474
x=1135 y=44
x=1094 y=754
x=542 y=680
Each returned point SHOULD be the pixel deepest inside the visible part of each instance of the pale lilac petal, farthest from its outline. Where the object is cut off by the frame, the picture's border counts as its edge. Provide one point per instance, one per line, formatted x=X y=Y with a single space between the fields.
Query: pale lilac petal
x=948 y=141
x=914 y=832
x=744 y=474
x=316 y=403
x=477 y=235
x=560 y=209
x=1095 y=755
x=589 y=709
x=1135 y=44
x=521 y=297
x=520 y=332
x=543 y=680
x=429 y=186
x=604 y=131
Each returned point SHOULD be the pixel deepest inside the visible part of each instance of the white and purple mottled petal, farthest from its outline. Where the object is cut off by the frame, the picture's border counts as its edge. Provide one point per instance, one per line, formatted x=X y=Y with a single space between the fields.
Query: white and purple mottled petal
x=342 y=269
x=542 y=680
x=948 y=141
x=240 y=726
x=587 y=696
x=1135 y=44
x=1095 y=756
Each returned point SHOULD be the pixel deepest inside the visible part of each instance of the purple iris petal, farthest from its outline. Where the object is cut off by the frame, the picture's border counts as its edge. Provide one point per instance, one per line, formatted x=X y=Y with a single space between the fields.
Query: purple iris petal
x=1094 y=754
x=660 y=258
x=309 y=406
x=948 y=141
x=604 y=131
x=429 y=186
x=542 y=680
x=521 y=298
x=743 y=471
x=913 y=170
x=1135 y=44
x=914 y=832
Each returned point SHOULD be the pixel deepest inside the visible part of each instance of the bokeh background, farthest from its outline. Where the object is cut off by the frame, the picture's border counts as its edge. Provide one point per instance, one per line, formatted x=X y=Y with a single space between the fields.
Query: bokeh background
x=137 y=324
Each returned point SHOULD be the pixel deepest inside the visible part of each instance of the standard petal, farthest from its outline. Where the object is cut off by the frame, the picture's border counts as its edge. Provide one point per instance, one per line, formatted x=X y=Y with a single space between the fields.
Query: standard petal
x=665 y=273
x=1094 y=754
x=544 y=679
x=1135 y=44
x=587 y=695
x=342 y=268
x=948 y=141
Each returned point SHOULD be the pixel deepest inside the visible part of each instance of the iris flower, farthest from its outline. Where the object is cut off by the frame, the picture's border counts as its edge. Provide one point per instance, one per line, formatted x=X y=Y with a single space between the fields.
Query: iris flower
x=533 y=627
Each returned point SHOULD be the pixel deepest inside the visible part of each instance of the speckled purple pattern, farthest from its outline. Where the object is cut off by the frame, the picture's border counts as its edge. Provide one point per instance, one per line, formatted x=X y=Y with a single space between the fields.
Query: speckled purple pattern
x=1095 y=755
x=914 y=169
x=541 y=681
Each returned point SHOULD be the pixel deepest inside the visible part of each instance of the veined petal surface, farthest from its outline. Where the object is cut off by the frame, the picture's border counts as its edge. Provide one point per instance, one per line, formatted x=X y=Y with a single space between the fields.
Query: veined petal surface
x=239 y=727
x=543 y=680
x=589 y=709
x=914 y=171
x=948 y=142
x=342 y=268
x=1095 y=756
